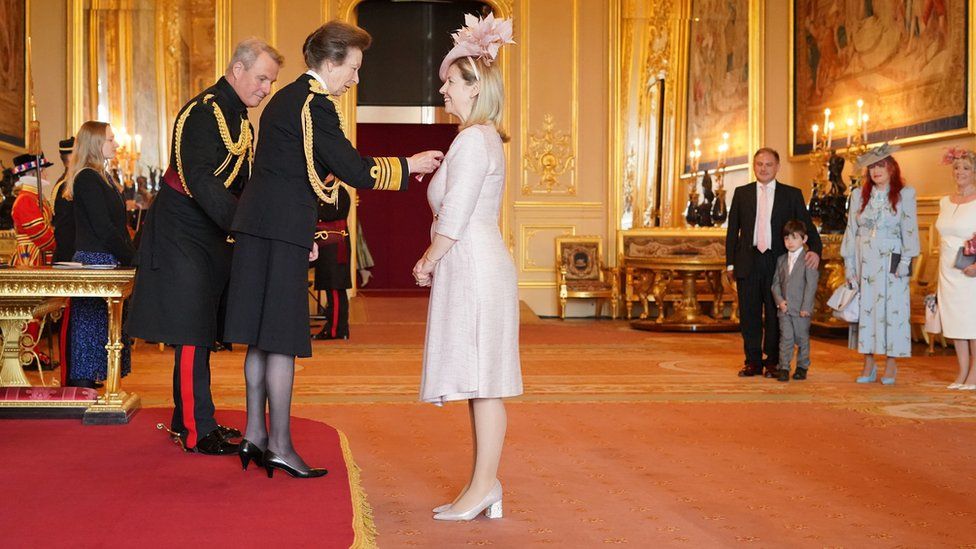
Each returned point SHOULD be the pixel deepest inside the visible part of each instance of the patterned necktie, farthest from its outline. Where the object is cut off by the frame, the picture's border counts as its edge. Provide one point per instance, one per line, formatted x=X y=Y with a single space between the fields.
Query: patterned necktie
x=762 y=240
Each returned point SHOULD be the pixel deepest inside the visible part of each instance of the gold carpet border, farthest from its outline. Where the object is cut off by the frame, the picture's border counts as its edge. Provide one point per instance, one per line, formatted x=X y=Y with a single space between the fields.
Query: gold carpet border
x=363 y=527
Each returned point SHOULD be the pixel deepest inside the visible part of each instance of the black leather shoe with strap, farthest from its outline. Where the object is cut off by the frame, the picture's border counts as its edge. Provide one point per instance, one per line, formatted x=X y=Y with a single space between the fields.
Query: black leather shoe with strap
x=215 y=445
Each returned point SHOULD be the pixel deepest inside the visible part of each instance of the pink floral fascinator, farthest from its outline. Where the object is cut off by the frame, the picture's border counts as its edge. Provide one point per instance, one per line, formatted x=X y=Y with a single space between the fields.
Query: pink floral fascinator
x=956 y=153
x=478 y=38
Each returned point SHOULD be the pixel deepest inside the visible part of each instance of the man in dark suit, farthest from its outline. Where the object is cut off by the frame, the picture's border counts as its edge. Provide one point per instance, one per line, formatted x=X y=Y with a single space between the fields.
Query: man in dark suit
x=752 y=244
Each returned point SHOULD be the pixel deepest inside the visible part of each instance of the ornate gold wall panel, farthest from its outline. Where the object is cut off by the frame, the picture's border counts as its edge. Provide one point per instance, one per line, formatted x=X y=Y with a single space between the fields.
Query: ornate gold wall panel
x=556 y=24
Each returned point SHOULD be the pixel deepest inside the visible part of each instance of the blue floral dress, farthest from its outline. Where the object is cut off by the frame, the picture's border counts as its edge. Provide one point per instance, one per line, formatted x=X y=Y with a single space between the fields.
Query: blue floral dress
x=89 y=329
x=872 y=236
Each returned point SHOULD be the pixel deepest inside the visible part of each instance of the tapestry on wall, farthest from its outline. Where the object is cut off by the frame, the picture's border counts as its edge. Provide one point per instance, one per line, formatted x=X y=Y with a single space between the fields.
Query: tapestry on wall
x=718 y=81
x=907 y=60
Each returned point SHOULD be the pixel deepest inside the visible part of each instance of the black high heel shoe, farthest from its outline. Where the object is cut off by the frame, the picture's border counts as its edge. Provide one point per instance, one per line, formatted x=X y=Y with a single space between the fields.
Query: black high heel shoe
x=249 y=451
x=272 y=462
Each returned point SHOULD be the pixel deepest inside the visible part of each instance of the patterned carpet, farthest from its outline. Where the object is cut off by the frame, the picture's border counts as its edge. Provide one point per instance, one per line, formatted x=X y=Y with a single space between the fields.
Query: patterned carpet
x=641 y=439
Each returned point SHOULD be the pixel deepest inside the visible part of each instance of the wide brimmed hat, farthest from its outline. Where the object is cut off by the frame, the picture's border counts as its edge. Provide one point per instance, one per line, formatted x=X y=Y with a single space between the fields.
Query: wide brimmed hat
x=876 y=154
x=478 y=38
x=26 y=162
x=65 y=146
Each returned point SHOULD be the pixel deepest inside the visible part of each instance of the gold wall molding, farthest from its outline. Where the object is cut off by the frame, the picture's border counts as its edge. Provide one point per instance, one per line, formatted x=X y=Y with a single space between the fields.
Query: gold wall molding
x=222 y=14
x=640 y=56
x=540 y=205
x=544 y=187
x=528 y=232
x=550 y=155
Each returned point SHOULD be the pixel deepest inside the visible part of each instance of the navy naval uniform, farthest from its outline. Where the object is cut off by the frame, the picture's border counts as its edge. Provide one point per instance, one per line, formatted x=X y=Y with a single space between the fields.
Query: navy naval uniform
x=185 y=255
x=302 y=151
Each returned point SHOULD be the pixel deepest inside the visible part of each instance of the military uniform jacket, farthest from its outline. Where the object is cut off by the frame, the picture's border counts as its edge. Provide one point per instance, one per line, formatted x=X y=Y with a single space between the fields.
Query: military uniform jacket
x=302 y=141
x=332 y=267
x=184 y=255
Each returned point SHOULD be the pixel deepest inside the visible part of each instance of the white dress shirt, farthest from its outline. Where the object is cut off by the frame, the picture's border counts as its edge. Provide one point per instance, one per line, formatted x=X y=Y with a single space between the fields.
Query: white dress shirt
x=770 y=196
x=791 y=260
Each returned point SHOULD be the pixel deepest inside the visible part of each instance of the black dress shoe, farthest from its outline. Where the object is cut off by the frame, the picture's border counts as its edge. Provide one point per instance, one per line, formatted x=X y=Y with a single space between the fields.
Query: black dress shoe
x=272 y=462
x=215 y=445
x=800 y=373
x=771 y=373
x=228 y=432
x=249 y=452
x=323 y=335
x=783 y=375
x=750 y=370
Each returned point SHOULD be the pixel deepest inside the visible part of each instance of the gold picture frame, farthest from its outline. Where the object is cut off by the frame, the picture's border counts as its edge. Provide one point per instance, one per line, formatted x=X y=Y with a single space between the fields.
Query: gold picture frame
x=15 y=97
x=930 y=104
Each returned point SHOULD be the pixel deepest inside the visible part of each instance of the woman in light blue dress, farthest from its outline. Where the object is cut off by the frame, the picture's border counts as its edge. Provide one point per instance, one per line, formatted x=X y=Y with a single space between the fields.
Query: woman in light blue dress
x=879 y=244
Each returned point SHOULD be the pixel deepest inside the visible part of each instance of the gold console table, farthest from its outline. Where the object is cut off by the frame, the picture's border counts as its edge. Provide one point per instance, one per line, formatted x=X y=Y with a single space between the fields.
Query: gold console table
x=654 y=261
x=23 y=289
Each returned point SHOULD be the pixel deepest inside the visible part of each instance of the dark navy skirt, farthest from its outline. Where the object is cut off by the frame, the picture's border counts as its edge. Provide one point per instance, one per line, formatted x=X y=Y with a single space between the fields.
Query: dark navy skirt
x=89 y=330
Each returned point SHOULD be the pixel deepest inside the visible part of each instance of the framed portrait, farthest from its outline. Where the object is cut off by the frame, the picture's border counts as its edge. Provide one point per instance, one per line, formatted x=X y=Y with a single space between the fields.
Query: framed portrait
x=13 y=74
x=719 y=95
x=581 y=255
x=908 y=61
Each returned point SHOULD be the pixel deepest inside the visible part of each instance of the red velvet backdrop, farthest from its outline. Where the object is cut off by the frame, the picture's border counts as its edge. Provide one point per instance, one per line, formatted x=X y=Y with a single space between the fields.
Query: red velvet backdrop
x=397 y=225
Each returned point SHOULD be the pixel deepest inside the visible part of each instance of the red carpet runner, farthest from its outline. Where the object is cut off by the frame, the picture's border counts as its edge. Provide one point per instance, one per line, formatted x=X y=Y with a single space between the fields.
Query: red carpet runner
x=68 y=485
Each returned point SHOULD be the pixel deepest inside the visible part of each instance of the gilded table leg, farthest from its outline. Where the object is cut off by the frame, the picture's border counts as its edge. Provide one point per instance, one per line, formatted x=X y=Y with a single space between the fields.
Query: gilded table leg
x=12 y=373
x=718 y=291
x=115 y=406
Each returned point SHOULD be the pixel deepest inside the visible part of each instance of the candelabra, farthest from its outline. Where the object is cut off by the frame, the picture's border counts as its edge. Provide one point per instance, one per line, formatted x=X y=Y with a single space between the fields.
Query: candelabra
x=828 y=199
x=127 y=157
x=712 y=210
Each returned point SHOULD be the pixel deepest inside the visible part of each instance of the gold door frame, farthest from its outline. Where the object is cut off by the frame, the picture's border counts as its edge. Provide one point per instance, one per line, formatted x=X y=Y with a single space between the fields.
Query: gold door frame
x=346 y=12
x=77 y=49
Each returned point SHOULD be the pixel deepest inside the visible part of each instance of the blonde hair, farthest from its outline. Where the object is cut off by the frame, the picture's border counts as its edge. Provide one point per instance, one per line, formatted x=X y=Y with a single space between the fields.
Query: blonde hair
x=487 y=106
x=87 y=153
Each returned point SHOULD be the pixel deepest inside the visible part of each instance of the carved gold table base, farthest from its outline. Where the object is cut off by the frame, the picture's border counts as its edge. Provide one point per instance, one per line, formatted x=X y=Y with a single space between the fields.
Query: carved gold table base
x=22 y=289
x=687 y=315
x=14 y=314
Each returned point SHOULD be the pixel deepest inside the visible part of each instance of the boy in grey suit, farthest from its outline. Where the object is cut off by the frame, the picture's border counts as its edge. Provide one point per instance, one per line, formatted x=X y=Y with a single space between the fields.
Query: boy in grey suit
x=794 y=285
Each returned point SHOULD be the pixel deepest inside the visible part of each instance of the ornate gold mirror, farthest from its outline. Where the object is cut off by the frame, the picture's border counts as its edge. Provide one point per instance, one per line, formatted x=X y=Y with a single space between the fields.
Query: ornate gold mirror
x=134 y=63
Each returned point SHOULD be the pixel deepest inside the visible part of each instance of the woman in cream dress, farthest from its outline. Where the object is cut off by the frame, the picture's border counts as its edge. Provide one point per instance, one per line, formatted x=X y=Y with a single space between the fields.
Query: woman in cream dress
x=471 y=350
x=957 y=224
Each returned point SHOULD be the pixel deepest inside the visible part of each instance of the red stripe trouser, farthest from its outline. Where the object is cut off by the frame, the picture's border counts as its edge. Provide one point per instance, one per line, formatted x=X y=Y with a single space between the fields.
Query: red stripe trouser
x=193 y=415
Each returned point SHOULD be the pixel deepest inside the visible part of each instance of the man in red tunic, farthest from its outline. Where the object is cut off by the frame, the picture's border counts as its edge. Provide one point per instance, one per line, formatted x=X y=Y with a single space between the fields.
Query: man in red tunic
x=32 y=226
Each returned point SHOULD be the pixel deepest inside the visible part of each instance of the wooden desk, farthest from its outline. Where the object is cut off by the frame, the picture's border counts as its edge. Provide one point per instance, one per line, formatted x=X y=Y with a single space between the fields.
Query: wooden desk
x=22 y=289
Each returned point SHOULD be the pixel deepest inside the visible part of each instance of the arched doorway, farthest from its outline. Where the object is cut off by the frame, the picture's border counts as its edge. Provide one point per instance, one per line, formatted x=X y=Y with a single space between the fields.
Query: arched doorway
x=397 y=225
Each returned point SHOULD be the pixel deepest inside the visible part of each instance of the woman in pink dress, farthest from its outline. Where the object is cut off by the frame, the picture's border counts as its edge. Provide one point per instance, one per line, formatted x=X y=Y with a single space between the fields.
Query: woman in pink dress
x=471 y=350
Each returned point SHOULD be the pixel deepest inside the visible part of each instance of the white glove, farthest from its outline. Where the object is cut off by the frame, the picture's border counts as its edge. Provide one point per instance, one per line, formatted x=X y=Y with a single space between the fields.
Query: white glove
x=902 y=270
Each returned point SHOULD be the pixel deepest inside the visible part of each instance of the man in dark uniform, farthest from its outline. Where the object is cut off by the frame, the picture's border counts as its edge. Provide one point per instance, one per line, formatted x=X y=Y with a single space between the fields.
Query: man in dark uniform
x=64 y=246
x=184 y=256
x=332 y=271
x=64 y=216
